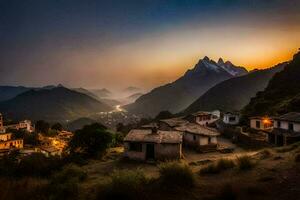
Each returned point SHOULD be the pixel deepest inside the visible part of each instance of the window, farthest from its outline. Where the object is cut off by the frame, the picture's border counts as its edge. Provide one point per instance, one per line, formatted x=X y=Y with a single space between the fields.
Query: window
x=135 y=147
x=194 y=137
x=278 y=124
x=209 y=140
x=231 y=119
x=291 y=127
x=257 y=124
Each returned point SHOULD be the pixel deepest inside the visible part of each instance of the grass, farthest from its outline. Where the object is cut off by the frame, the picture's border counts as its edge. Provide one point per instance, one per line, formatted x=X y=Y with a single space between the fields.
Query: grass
x=174 y=174
x=287 y=148
x=245 y=162
x=124 y=184
x=217 y=167
x=265 y=154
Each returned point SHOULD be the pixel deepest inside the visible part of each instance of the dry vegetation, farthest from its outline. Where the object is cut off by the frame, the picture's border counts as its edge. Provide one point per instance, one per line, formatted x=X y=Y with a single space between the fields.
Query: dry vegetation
x=267 y=174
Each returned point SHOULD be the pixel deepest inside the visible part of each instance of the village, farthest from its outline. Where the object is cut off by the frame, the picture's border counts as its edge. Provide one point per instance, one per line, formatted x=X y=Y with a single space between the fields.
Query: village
x=198 y=135
x=49 y=146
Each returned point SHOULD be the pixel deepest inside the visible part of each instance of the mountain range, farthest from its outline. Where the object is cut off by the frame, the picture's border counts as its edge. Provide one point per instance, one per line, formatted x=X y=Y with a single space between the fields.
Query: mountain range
x=179 y=94
x=235 y=93
x=56 y=104
x=282 y=94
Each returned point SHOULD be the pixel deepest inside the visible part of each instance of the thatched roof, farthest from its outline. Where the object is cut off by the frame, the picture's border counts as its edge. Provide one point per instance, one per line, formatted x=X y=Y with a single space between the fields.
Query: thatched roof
x=147 y=135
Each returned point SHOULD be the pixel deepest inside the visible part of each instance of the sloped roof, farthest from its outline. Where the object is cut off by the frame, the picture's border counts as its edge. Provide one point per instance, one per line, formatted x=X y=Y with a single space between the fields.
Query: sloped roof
x=201 y=113
x=146 y=135
x=198 y=129
x=291 y=116
x=173 y=122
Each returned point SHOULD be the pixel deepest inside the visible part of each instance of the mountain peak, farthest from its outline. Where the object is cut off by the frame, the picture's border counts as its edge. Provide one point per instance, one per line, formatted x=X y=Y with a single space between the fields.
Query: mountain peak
x=220 y=61
x=206 y=58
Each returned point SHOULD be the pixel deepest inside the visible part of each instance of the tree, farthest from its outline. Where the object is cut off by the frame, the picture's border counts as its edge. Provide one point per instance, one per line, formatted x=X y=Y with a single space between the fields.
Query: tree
x=57 y=127
x=42 y=127
x=91 y=141
x=29 y=138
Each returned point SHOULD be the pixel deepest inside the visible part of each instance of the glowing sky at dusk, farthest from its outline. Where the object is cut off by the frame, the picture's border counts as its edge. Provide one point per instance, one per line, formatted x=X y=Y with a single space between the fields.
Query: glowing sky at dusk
x=144 y=43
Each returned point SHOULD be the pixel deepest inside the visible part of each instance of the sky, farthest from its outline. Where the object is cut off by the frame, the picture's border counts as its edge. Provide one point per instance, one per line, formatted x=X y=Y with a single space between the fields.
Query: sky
x=144 y=43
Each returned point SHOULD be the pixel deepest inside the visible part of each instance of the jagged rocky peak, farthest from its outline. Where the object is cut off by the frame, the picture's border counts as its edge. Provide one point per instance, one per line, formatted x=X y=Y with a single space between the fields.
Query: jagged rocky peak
x=220 y=61
x=206 y=58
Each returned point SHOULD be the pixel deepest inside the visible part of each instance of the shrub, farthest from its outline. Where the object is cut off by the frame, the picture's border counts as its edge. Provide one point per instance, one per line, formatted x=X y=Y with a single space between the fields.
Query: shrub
x=69 y=172
x=217 y=167
x=38 y=164
x=22 y=189
x=64 y=184
x=245 y=162
x=176 y=175
x=125 y=184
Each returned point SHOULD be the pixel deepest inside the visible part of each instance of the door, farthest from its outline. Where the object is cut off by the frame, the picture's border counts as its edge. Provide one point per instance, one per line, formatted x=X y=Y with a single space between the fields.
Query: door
x=150 y=151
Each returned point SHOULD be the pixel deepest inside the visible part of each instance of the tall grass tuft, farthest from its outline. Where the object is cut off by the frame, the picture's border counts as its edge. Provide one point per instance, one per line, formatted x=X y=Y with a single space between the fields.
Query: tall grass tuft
x=124 y=184
x=174 y=174
x=245 y=162
x=218 y=166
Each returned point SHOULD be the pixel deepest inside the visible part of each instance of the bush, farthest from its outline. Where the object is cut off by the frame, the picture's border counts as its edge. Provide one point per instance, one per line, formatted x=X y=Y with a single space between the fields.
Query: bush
x=125 y=184
x=69 y=172
x=173 y=174
x=91 y=141
x=64 y=184
x=38 y=164
x=23 y=189
x=217 y=167
x=245 y=162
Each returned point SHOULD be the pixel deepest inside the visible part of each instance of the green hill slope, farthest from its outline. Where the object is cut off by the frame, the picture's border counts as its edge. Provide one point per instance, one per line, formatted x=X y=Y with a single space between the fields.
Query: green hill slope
x=282 y=95
x=235 y=93
x=57 y=104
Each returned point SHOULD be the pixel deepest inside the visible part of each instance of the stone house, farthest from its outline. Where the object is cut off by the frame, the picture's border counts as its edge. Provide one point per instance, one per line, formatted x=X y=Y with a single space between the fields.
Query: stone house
x=261 y=123
x=286 y=129
x=6 y=141
x=22 y=125
x=2 y=128
x=153 y=144
x=231 y=118
x=201 y=138
x=202 y=118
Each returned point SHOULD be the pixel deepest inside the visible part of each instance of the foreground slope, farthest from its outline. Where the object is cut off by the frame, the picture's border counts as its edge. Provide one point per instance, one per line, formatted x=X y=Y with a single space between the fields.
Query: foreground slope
x=55 y=104
x=179 y=94
x=282 y=94
x=235 y=93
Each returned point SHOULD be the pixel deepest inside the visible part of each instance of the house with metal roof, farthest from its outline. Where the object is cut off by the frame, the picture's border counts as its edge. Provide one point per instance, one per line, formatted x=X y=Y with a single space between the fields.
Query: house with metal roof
x=286 y=129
